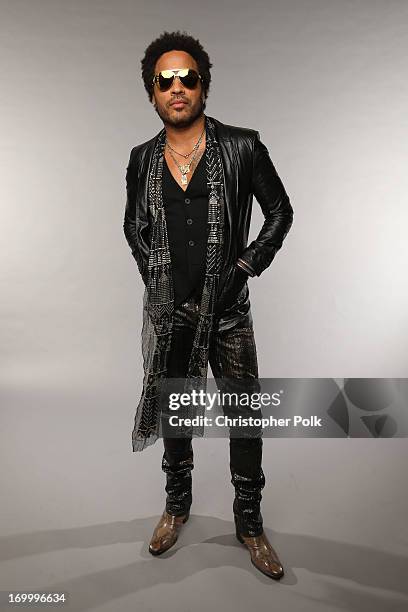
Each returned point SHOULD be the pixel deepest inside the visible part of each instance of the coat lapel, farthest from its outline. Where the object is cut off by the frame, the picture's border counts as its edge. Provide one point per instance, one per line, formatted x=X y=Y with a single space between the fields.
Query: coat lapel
x=229 y=164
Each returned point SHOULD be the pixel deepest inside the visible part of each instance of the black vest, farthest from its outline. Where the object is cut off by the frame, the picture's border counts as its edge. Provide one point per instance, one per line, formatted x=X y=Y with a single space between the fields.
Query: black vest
x=187 y=229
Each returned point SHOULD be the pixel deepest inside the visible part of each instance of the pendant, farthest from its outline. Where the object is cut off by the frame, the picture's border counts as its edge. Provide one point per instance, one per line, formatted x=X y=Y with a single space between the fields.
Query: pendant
x=185 y=169
x=184 y=179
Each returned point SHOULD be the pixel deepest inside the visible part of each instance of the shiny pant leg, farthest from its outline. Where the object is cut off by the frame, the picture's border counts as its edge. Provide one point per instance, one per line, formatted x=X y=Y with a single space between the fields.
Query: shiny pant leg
x=178 y=457
x=233 y=356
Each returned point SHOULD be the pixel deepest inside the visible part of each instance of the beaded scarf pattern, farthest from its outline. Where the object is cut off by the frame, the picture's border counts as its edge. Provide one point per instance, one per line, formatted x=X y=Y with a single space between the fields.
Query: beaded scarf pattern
x=158 y=299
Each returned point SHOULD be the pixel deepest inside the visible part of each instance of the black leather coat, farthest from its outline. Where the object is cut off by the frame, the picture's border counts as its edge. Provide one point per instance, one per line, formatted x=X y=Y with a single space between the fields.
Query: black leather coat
x=248 y=172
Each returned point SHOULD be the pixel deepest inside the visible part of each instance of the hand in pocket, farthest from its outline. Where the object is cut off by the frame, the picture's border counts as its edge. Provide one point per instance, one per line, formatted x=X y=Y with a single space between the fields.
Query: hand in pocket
x=235 y=281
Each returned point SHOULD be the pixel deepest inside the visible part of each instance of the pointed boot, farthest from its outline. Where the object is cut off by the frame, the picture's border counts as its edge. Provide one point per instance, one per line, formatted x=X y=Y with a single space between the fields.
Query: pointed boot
x=166 y=532
x=263 y=555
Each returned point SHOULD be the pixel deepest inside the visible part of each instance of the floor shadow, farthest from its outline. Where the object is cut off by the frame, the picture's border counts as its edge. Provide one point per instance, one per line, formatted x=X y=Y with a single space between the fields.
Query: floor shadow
x=366 y=568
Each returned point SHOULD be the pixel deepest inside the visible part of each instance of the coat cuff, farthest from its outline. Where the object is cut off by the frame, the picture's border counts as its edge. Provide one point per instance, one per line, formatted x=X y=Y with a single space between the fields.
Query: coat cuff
x=257 y=259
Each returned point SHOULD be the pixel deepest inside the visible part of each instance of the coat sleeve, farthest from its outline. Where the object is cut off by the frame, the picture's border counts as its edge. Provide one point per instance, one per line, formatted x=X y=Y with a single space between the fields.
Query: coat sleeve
x=276 y=208
x=129 y=222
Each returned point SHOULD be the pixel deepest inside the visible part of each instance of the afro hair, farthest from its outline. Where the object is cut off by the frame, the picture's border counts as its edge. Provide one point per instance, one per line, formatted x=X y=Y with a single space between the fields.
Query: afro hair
x=175 y=41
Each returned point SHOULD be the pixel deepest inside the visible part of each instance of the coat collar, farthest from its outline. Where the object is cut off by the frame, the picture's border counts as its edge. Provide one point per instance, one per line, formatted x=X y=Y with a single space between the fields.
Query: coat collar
x=228 y=154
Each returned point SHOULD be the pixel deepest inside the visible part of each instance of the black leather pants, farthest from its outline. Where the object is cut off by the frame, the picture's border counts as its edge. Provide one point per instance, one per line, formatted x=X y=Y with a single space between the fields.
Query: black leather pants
x=232 y=355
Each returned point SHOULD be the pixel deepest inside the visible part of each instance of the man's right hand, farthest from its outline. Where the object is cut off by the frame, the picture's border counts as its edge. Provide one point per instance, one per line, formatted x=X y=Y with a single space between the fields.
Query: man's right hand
x=235 y=281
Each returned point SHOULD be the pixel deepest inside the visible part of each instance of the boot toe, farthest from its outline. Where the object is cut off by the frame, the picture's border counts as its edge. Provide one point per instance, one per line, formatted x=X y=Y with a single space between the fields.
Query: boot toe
x=160 y=545
x=273 y=569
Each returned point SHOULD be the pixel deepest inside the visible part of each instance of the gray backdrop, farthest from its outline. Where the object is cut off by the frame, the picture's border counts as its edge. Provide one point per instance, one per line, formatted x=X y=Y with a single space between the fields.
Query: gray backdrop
x=325 y=84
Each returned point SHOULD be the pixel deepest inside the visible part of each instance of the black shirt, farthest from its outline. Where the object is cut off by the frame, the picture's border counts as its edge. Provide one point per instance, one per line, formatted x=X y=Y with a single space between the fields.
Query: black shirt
x=187 y=229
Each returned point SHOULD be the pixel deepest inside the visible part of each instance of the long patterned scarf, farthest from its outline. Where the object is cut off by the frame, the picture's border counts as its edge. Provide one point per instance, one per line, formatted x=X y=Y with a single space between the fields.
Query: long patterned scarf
x=158 y=301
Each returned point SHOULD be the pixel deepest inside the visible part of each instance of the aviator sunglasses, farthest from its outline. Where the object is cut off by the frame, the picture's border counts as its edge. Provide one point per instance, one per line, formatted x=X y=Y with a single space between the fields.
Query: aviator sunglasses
x=188 y=77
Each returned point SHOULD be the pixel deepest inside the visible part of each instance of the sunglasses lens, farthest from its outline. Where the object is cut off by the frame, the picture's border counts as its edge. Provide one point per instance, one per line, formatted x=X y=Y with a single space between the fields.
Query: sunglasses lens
x=165 y=82
x=190 y=79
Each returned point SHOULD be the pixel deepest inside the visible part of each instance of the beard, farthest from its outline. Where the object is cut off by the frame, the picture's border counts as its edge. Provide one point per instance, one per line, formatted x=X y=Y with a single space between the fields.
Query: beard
x=183 y=118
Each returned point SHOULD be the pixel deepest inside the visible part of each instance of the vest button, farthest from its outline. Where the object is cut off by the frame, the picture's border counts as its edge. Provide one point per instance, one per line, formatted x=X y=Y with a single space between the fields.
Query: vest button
x=189 y=221
x=187 y=200
x=191 y=242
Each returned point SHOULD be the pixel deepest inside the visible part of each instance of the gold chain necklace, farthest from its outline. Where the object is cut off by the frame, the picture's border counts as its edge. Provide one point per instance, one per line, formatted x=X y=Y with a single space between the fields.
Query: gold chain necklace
x=185 y=155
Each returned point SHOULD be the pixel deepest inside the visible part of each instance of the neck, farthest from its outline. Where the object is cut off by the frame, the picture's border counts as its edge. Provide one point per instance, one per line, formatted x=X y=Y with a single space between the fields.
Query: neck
x=186 y=135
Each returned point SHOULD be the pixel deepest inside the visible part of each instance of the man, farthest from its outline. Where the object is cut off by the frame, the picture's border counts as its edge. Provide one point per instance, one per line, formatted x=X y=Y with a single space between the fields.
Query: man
x=188 y=209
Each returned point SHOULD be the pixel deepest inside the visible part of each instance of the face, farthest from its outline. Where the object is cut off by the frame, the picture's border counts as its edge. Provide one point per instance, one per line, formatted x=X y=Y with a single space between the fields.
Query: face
x=185 y=114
